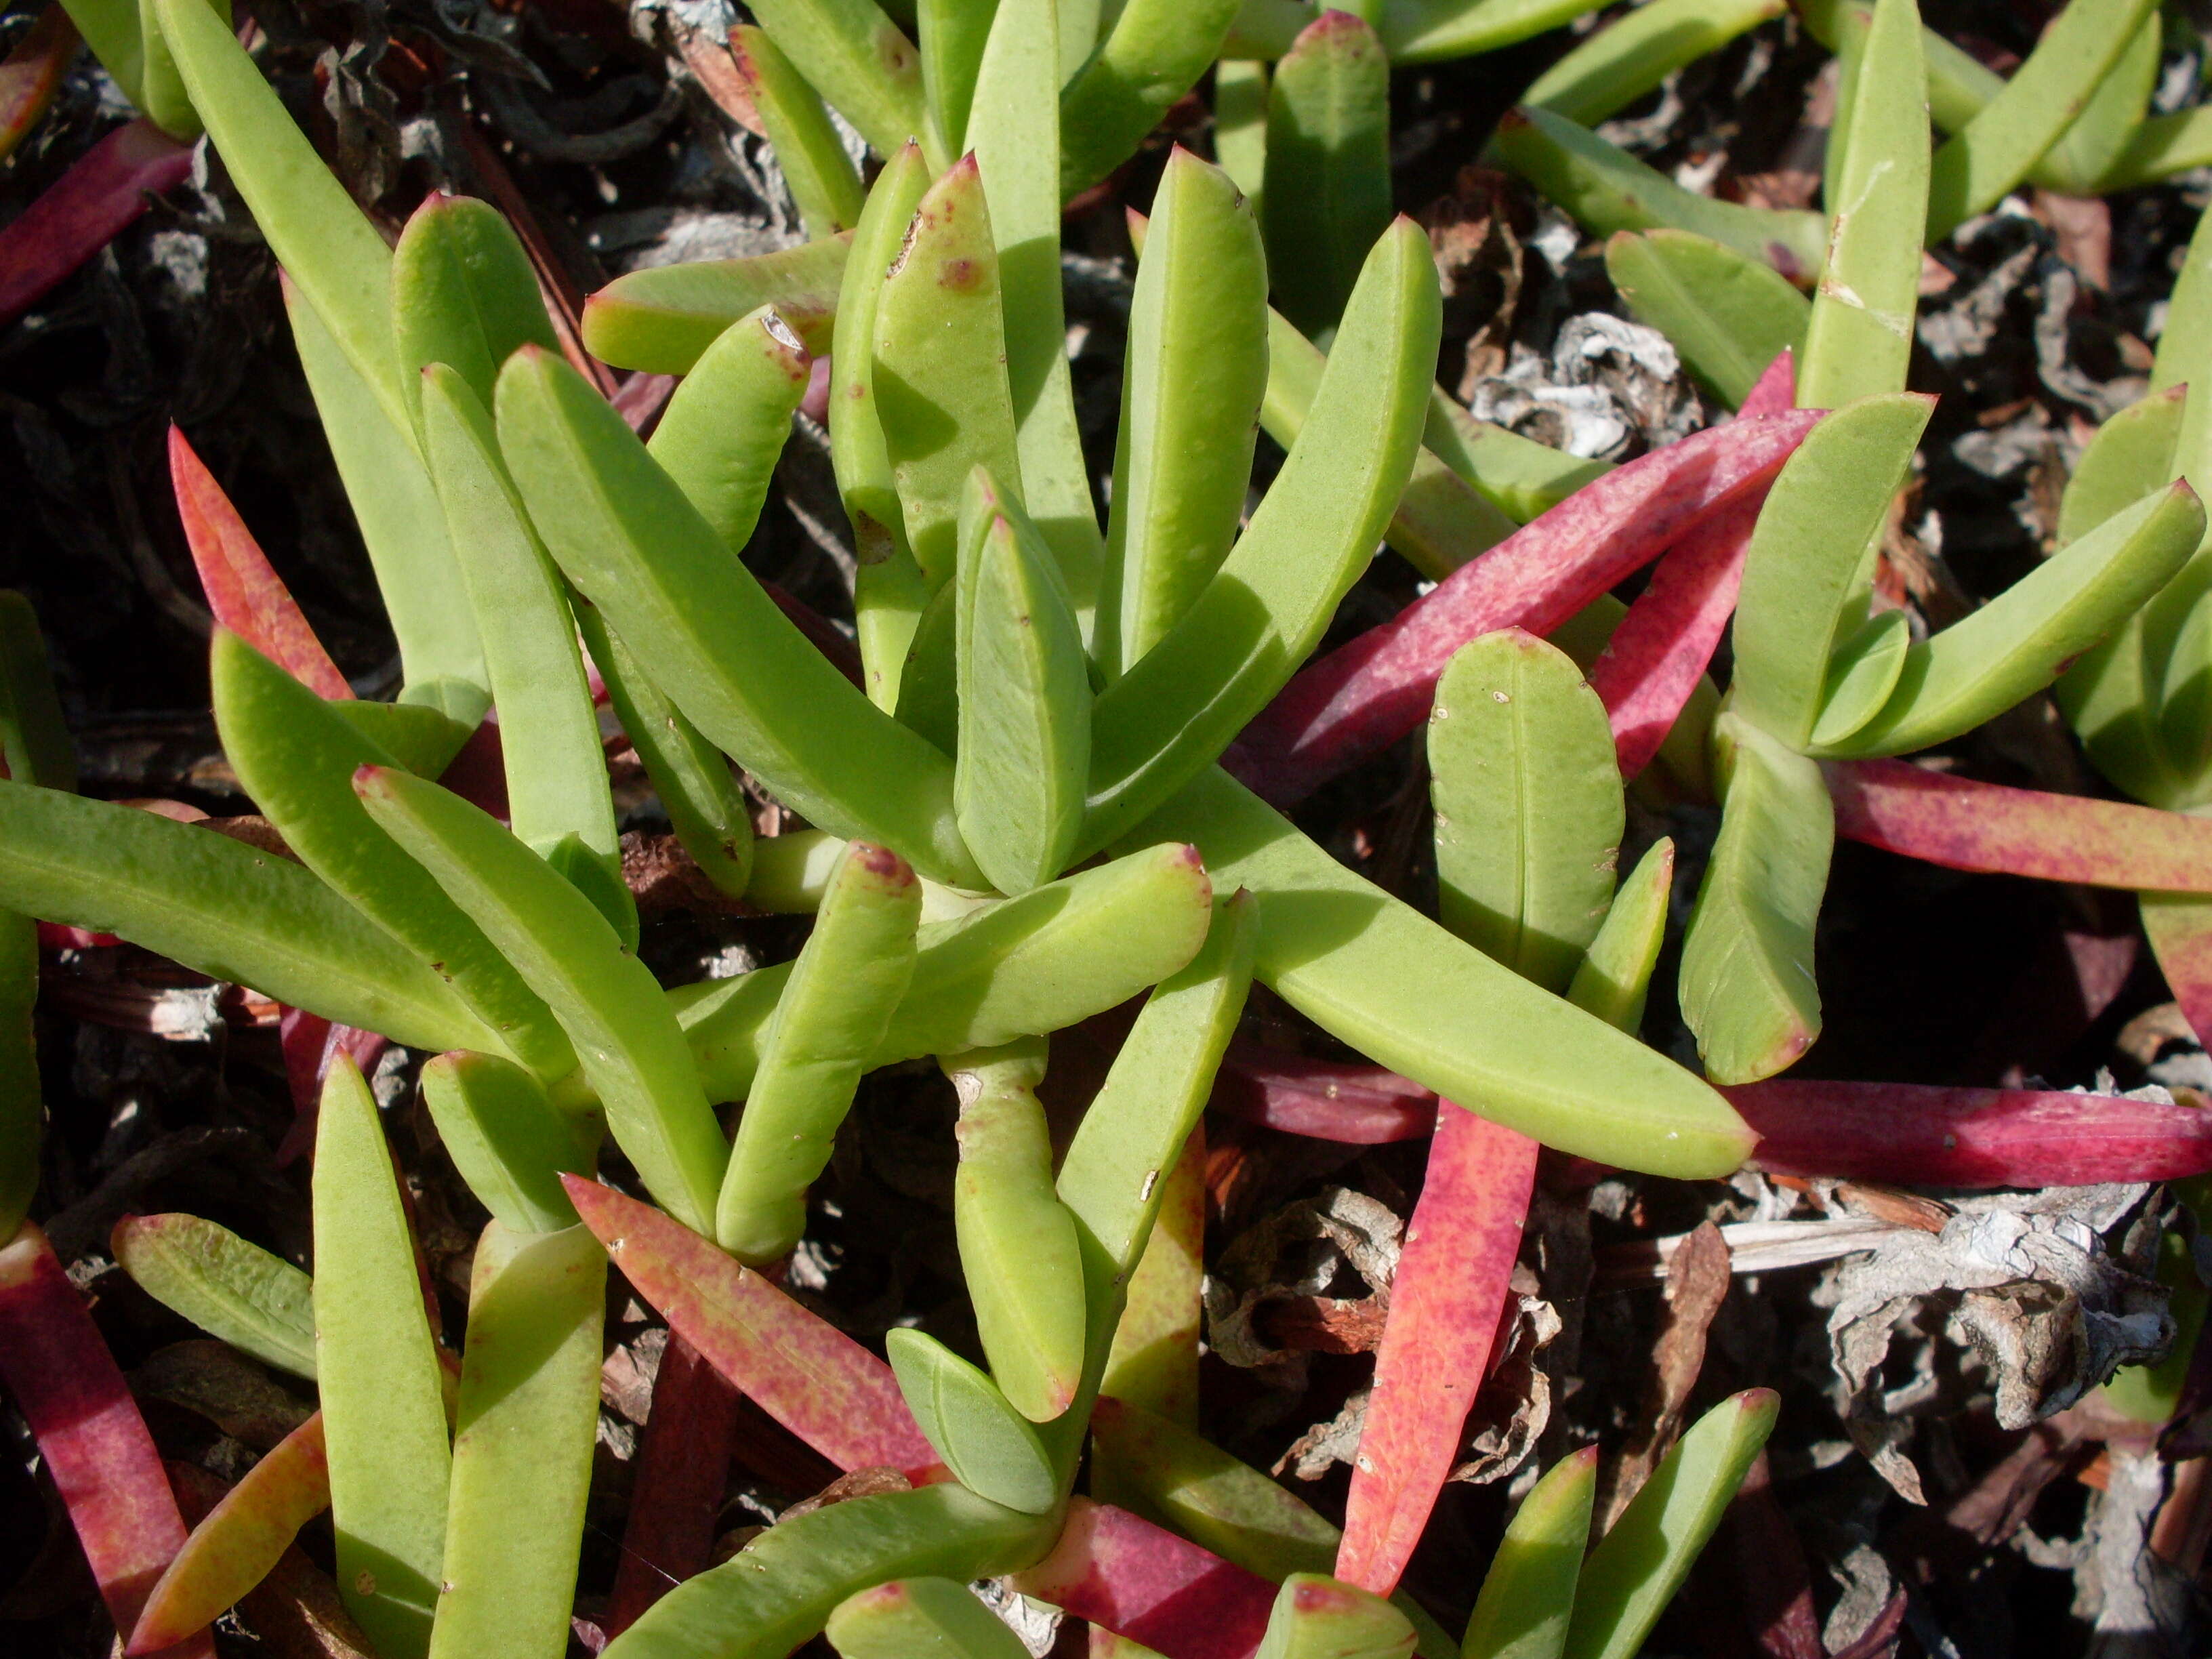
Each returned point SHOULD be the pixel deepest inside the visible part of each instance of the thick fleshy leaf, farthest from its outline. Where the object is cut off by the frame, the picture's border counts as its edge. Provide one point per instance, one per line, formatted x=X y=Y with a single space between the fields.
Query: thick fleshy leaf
x=1014 y=133
x=376 y=1369
x=1805 y=580
x=1155 y=53
x=1450 y=1288
x=402 y=524
x=316 y=233
x=1636 y=1567
x=1401 y=990
x=1173 y=713
x=783 y=1587
x=1018 y=1249
x=660 y=320
x=523 y=1434
x=558 y=799
x=1316 y=1617
x=1369 y=693
x=631 y=1050
x=510 y=1143
x=811 y=1378
x=91 y=1439
x=1529 y=804
x=103 y=192
x=835 y=1007
x=463 y=294
x=1746 y=983
x=234 y=1291
x=1528 y=1595
x=1619 y=63
x=862 y=62
x=1019 y=968
x=1328 y=1100
x=1964 y=824
x=32 y=73
x=1607 y=190
x=1615 y=974
x=950 y=35
x=1328 y=167
x=1153 y=1363
x=724 y=428
x=242 y=587
x=1196 y=372
x=1125 y=1575
x=1993 y=152
x=824 y=183
x=920 y=1619
x=237 y=1543
x=296 y=755
x=2023 y=639
x=991 y=1448
x=1920 y=1135
x=624 y=534
x=1860 y=338
x=224 y=908
x=1728 y=314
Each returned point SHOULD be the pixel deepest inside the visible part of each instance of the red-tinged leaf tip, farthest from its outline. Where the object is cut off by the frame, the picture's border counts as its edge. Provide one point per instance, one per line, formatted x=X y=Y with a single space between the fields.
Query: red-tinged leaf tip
x=1320 y=1596
x=885 y=866
x=372 y=780
x=243 y=589
x=1513 y=120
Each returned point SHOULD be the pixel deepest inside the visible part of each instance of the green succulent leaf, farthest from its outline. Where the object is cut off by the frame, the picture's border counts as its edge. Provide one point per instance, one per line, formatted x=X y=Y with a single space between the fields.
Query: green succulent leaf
x=1529 y=804
x=463 y=294
x=724 y=428
x=991 y=1448
x=1608 y=190
x=376 y=1371
x=824 y=184
x=1197 y=370
x=1527 y=1596
x=1861 y=677
x=296 y=755
x=223 y=908
x=951 y=35
x=628 y=1042
x=557 y=795
x=1747 y=988
x=1859 y=342
x=1265 y=609
x=1728 y=314
x=1615 y=974
x=1017 y=1240
x=234 y=1291
x=1155 y=53
x=662 y=319
x=1636 y=1567
x=921 y=1618
x=523 y=1434
x=624 y=533
x=1617 y=64
x=1805 y=581
x=862 y=62
x=836 y=1006
x=1327 y=189
x=1024 y=697
x=1240 y=126
x=510 y=1141
x=1316 y=1617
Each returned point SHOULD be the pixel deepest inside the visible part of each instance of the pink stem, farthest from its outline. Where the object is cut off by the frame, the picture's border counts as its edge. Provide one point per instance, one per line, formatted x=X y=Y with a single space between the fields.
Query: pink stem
x=1921 y=1135
x=1437 y=1341
x=682 y=1466
x=1990 y=828
x=1375 y=690
x=1324 y=1099
x=1139 y=1581
x=84 y=210
x=90 y=1432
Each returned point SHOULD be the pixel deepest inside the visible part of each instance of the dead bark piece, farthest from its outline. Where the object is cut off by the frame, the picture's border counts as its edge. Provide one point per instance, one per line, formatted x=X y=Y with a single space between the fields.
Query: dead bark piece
x=1514 y=1406
x=1698 y=1275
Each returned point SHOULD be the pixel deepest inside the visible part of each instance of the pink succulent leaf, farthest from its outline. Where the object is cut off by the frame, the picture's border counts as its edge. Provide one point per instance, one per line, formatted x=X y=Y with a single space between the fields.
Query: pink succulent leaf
x=84 y=210
x=1998 y=829
x=1437 y=1341
x=95 y=1443
x=1323 y=1099
x=1139 y=1581
x=1374 y=691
